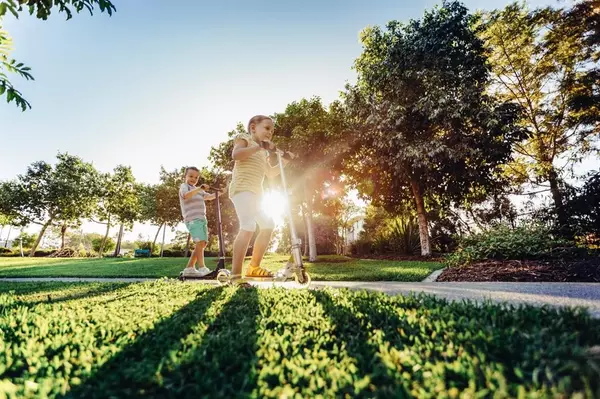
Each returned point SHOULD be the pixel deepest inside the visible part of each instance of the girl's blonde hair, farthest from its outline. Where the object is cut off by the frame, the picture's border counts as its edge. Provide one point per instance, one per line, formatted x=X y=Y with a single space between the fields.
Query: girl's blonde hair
x=256 y=119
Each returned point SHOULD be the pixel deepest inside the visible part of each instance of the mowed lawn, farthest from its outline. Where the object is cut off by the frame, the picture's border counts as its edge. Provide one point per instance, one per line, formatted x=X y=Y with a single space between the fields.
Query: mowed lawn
x=328 y=268
x=169 y=340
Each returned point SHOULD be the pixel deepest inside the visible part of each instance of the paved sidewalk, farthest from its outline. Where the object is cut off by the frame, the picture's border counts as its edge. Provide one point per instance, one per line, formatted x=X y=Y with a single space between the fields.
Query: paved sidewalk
x=552 y=294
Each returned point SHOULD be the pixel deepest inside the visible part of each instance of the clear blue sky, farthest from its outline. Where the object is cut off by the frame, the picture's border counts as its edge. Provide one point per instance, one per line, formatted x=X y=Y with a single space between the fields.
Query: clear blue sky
x=160 y=82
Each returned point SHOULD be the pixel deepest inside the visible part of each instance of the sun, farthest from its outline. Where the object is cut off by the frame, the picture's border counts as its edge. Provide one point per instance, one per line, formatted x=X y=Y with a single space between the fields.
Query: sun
x=273 y=204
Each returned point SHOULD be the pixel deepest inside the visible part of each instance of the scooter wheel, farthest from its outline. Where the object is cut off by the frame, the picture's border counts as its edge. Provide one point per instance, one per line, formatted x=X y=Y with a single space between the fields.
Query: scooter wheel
x=303 y=278
x=224 y=277
x=181 y=278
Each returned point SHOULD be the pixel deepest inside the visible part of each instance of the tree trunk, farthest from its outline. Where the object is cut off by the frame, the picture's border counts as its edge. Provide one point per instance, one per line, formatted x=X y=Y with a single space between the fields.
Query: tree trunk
x=39 y=239
x=557 y=198
x=162 y=245
x=155 y=238
x=1 y=231
x=422 y=218
x=187 y=245
x=312 y=245
x=7 y=237
x=63 y=231
x=101 y=251
x=305 y=236
x=119 y=238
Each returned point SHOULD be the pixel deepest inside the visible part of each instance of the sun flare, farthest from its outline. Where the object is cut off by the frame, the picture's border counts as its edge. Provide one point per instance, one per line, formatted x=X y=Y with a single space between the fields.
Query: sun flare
x=273 y=204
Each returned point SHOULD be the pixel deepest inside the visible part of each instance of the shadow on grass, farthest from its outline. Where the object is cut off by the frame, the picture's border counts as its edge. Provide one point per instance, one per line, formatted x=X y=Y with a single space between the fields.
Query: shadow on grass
x=53 y=290
x=105 y=288
x=199 y=351
x=354 y=332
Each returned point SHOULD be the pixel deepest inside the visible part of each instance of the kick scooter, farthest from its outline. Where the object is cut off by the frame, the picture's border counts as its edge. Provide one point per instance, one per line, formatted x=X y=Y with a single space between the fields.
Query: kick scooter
x=221 y=263
x=300 y=274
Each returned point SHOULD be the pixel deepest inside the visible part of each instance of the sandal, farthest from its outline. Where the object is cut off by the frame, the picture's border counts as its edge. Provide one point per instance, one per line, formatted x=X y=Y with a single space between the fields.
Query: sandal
x=258 y=272
x=239 y=282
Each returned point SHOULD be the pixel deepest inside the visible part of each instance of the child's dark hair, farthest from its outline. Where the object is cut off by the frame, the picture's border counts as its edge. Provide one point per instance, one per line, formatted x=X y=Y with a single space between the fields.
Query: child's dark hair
x=190 y=168
x=256 y=119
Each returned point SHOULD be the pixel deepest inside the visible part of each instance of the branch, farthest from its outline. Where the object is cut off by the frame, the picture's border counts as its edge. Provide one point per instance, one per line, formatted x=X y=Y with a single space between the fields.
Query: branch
x=534 y=192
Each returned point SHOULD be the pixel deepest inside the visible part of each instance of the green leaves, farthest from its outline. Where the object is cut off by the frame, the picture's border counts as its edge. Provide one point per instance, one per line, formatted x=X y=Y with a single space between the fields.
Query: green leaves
x=42 y=9
x=113 y=340
x=119 y=196
x=503 y=242
x=421 y=113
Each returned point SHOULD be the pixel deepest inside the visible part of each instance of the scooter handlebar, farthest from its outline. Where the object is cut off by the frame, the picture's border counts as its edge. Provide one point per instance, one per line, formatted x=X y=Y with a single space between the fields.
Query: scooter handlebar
x=267 y=145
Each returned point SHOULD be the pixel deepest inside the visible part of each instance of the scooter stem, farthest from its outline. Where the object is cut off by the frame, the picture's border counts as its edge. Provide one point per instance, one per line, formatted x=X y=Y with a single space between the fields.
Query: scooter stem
x=296 y=243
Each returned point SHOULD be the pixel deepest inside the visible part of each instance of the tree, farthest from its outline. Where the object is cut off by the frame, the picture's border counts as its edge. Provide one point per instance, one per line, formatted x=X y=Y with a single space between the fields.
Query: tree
x=584 y=209
x=42 y=10
x=168 y=209
x=536 y=61
x=101 y=244
x=6 y=219
x=119 y=201
x=424 y=129
x=305 y=128
x=25 y=239
x=47 y=195
x=580 y=24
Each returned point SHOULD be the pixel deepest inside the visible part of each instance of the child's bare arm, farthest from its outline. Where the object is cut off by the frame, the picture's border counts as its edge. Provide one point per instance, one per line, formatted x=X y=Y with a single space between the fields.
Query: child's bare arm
x=273 y=171
x=209 y=197
x=241 y=150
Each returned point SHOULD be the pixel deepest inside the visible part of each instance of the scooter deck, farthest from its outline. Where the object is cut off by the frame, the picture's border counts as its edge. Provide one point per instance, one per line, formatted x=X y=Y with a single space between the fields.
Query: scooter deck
x=210 y=276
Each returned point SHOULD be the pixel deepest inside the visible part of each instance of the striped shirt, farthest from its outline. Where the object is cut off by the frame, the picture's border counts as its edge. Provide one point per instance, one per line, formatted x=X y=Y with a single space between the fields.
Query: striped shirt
x=194 y=207
x=249 y=173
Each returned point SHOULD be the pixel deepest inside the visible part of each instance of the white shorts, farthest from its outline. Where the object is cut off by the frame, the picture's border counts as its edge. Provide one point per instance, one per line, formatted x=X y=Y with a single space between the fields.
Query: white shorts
x=249 y=212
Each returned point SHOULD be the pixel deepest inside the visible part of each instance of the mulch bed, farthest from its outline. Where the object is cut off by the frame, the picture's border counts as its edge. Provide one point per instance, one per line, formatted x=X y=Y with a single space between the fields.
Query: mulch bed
x=584 y=270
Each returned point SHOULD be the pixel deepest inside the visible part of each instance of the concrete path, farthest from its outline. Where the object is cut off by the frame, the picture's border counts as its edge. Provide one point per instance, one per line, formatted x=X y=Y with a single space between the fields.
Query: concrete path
x=553 y=294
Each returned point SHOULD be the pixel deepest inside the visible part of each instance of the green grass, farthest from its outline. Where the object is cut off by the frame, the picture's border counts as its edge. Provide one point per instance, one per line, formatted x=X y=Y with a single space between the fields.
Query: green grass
x=163 y=339
x=329 y=268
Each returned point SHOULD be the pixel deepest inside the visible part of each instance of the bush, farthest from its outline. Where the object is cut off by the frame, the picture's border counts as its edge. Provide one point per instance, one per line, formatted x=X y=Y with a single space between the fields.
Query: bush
x=172 y=253
x=502 y=243
x=398 y=235
x=43 y=253
x=109 y=245
x=5 y=251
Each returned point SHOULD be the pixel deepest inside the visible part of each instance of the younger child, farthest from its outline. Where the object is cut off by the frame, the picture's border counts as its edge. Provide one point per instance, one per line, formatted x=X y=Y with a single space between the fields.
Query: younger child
x=246 y=190
x=193 y=210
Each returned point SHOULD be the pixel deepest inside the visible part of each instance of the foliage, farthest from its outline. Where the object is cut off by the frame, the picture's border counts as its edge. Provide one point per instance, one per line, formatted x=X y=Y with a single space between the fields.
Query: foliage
x=27 y=240
x=46 y=194
x=386 y=233
x=504 y=242
x=535 y=57
x=41 y=9
x=180 y=240
x=584 y=210
x=119 y=200
x=355 y=344
x=580 y=24
x=424 y=127
x=100 y=244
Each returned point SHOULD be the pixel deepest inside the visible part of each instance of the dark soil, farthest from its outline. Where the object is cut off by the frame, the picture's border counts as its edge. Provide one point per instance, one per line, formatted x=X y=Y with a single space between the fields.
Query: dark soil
x=583 y=270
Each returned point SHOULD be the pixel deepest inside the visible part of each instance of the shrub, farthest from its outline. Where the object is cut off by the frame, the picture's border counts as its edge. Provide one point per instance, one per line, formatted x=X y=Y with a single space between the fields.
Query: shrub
x=5 y=251
x=172 y=253
x=43 y=253
x=502 y=243
x=399 y=235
